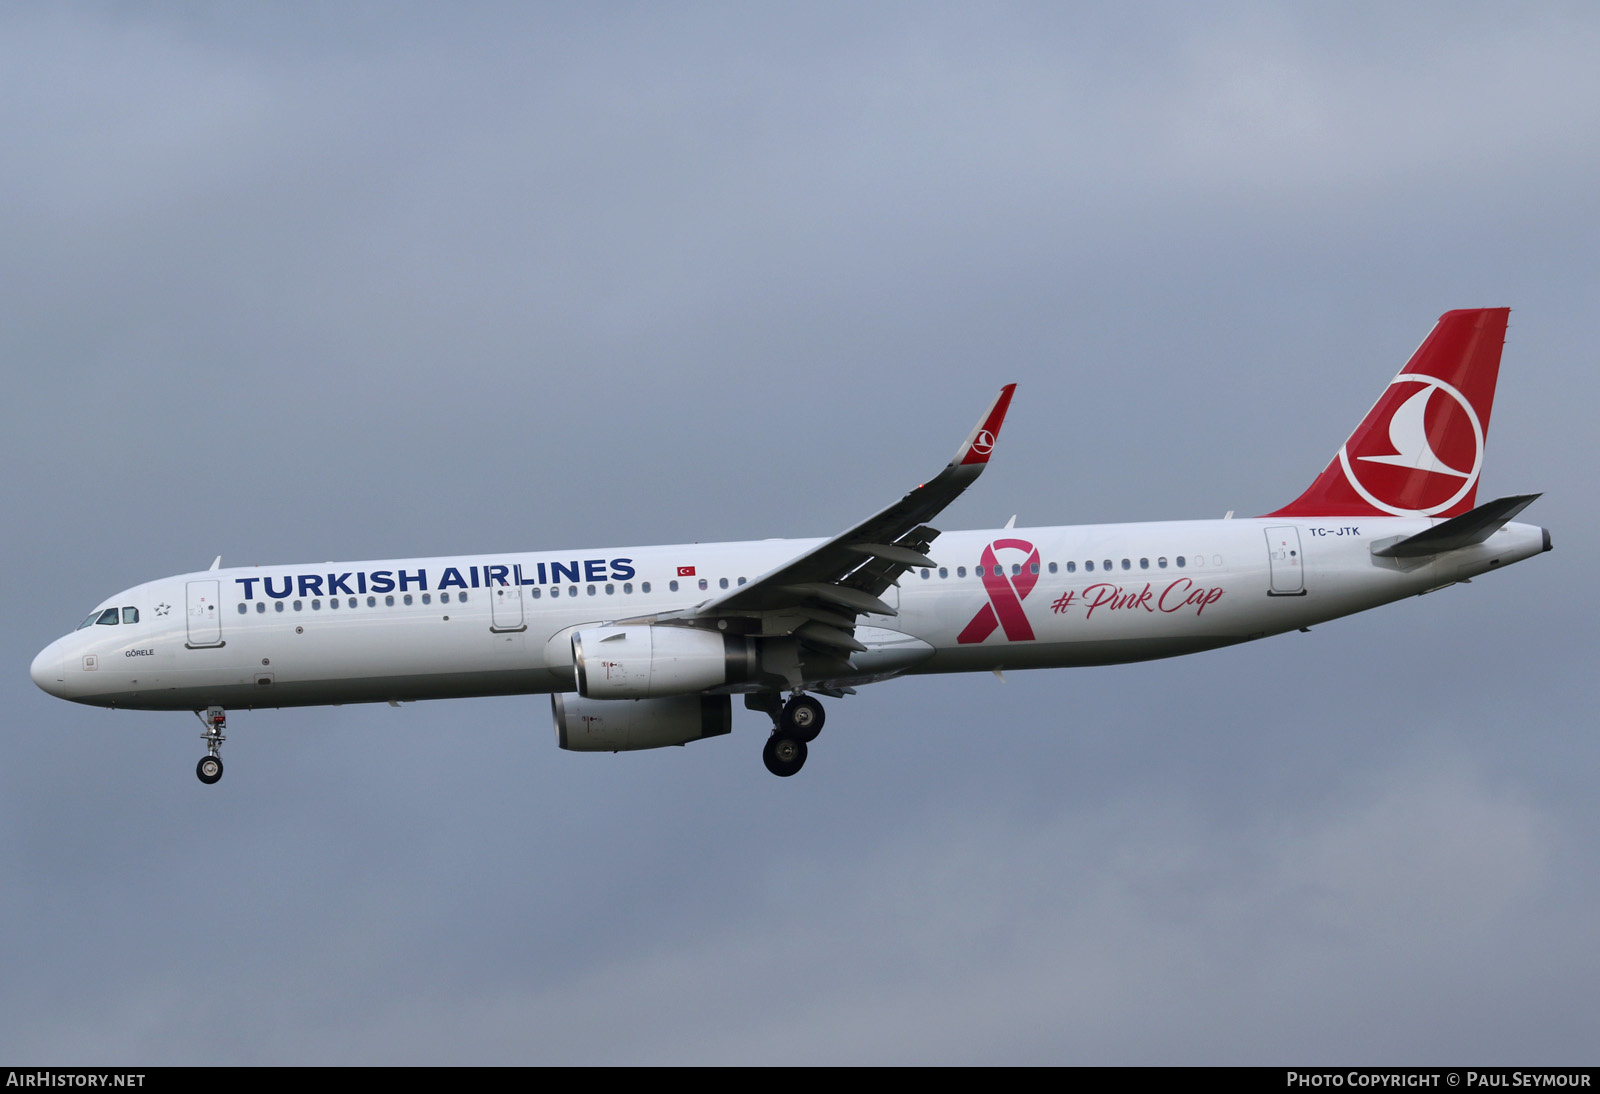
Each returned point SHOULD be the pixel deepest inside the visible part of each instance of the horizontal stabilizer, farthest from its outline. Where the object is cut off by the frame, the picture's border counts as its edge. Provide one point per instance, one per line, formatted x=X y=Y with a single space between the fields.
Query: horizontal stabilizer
x=1471 y=527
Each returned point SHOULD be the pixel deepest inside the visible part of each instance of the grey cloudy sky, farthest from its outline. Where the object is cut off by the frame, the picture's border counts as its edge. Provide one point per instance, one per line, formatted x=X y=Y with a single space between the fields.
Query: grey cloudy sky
x=314 y=282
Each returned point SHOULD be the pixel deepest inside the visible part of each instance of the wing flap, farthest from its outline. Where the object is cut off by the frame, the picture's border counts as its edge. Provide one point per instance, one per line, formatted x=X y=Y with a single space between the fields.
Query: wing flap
x=893 y=552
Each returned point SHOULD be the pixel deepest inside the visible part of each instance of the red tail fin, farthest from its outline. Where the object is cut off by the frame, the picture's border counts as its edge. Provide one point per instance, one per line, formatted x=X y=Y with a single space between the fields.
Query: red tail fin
x=1419 y=450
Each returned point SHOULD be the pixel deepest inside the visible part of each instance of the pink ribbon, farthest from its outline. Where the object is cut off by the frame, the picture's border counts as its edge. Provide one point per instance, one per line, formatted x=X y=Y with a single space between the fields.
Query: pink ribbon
x=1005 y=596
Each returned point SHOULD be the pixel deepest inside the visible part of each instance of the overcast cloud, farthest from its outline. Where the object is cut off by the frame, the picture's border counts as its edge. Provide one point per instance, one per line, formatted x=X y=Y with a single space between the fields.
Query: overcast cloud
x=356 y=281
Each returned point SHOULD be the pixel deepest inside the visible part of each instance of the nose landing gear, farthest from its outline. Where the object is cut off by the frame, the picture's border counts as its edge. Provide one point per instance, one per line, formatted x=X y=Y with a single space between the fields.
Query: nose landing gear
x=209 y=769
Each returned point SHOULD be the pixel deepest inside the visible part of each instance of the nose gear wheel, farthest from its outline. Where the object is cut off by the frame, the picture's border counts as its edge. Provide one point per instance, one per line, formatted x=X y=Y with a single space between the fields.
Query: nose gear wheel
x=209 y=769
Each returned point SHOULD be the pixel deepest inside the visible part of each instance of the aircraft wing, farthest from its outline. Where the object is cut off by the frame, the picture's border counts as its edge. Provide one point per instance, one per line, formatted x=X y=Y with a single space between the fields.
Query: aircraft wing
x=823 y=590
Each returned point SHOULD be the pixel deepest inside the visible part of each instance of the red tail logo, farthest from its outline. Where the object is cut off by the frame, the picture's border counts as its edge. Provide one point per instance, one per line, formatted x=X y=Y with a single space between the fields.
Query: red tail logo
x=1004 y=609
x=1419 y=451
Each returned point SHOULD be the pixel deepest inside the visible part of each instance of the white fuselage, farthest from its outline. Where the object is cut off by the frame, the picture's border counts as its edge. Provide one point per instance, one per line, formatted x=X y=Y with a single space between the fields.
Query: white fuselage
x=447 y=627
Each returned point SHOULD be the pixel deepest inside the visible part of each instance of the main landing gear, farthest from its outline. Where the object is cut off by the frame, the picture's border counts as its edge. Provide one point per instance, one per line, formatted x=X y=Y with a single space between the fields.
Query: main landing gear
x=784 y=755
x=794 y=726
x=209 y=769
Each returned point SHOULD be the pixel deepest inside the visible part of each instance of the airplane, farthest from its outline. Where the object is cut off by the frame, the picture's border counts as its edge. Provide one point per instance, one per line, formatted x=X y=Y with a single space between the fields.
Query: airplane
x=645 y=647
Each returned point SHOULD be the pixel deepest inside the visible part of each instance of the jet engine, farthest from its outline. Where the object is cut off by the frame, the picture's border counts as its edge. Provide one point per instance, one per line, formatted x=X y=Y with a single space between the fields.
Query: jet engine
x=646 y=662
x=623 y=725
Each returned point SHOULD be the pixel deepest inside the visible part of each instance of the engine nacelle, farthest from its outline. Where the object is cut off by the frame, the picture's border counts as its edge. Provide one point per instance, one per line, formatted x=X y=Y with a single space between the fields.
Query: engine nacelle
x=622 y=725
x=645 y=662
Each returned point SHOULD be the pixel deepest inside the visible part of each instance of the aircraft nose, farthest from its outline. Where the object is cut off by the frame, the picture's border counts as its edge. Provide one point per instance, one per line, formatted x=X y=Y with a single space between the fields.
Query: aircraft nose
x=48 y=670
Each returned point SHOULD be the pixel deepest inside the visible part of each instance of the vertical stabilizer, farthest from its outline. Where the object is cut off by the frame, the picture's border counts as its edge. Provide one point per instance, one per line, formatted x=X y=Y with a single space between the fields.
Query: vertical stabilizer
x=1419 y=451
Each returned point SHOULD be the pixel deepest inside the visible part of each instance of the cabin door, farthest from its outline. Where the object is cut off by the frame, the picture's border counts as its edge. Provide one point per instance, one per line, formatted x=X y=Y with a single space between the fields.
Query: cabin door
x=205 y=615
x=1286 y=561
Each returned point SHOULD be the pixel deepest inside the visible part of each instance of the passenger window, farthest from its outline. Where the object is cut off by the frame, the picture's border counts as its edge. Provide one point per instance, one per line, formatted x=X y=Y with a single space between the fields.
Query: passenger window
x=406 y=600
x=277 y=605
x=943 y=572
x=1016 y=568
x=130 y=615
x=297 y=605
x=702 y=583
x=444 y=598
x=427 y=598
x=610 y=589
x=591 y=590
x=673 y=586
x=741 y=581
x=572 y=590
x=627 y=588
x=108 y=618
x=1162 y=562
x=372 y=602
x=260 y=607
x=1072 y=567
x=1033 y=567
x=722 y=583
x=333 y=602
x=978 y=570
x=1106 y=565
x=961 y=571
x=1180 y=562
x=1089 y=565
x=243 y=607
x=1126 y=565
x=533 y=594
x=462 y=597
x=388 y=601
x=1144 y=564
x=924 y=573
x=644 y=588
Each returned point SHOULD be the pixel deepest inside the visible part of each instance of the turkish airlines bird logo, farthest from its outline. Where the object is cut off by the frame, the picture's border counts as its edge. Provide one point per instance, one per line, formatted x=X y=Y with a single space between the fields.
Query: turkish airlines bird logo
x=1425 y=458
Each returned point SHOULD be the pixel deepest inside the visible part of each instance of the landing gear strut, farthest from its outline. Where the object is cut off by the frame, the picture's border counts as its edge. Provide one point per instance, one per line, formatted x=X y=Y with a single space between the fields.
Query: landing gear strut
x=795 y=724
x=209 y=769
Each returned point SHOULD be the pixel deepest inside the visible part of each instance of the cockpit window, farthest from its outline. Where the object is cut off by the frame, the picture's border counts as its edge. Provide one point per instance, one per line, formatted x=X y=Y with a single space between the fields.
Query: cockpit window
x=108 y=618
x=89 y=622
x=130 y=615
